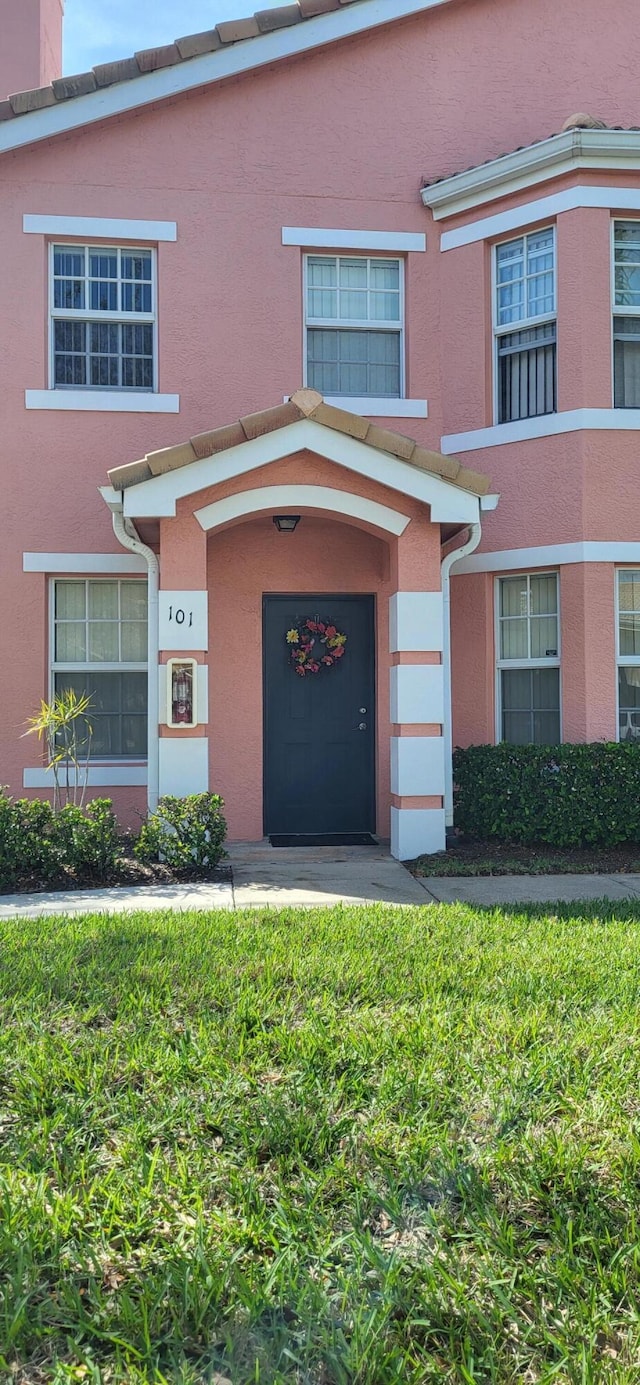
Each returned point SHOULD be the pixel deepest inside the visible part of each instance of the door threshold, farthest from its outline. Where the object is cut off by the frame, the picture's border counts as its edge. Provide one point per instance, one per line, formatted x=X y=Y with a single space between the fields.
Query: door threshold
x=278 y=839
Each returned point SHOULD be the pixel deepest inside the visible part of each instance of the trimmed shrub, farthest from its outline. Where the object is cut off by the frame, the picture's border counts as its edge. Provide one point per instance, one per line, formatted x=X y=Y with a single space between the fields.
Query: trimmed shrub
x=565 y=795
x=184 y=833
x=37 y=844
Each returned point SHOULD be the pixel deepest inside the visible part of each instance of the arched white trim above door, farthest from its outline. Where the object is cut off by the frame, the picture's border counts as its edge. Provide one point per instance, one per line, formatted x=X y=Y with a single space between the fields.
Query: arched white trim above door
x=290 y=499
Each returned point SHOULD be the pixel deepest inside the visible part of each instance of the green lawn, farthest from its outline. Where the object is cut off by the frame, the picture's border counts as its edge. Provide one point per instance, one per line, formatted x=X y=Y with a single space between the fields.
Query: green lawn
x=345 y=1147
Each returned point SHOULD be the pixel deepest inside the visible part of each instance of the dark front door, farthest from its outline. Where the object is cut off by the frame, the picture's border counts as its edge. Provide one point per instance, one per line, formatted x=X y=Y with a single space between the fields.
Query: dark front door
x=319 y=731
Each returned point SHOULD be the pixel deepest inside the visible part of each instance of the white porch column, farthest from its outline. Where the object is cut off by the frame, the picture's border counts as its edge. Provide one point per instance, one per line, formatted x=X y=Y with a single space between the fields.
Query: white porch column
x=417 y=716
x=183 y=633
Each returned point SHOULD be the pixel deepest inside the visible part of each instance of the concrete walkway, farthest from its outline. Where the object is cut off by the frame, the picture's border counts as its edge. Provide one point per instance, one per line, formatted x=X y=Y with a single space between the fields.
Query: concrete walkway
x=257 y=874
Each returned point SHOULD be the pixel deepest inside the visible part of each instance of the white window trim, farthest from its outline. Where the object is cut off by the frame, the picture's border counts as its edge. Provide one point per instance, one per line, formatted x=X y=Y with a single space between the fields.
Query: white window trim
x=93 y=315
x=118 y=565
x=622 y=660
x=99 y=228
x=349 y=401
x=616 y=310
x=371 y=407
x=102 y=401
x=98 y=766
x=317 y=238
x=516 y=664
x=504 y=330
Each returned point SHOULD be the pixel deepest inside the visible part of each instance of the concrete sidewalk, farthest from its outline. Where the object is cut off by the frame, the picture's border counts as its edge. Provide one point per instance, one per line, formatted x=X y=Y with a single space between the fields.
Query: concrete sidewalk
x=258 y=875
x=490 y=890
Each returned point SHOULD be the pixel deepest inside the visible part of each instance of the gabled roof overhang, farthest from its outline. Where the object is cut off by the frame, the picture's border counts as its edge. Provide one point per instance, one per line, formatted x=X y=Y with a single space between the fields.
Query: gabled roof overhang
x=607 y=151
x=73 y=102
x=151 y=488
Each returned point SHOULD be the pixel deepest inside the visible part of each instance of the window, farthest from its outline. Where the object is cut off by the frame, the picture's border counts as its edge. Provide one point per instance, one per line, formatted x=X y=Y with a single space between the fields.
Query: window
x=626 y=325
x=629 y=656
x=102 y=318
x=100 y=648
x=526 y=366
x=354 y=326
x=529 y=659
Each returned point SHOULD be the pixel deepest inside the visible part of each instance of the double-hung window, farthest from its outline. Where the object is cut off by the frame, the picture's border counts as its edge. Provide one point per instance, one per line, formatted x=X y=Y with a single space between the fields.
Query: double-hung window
x=528 y=659
x=626 y=318
x=525 y=327
x=99 y=646
x=103 y=316
x=354 y=326
x=629 y=655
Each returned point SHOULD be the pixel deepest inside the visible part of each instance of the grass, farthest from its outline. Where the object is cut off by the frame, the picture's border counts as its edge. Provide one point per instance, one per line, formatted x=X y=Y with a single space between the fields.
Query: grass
x=343 y=1147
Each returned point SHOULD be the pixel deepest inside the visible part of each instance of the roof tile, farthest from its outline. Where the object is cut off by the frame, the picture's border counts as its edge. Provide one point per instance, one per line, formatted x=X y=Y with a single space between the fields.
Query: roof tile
x=150 y=59
x=124 y=70
x=193 y=45
x=65 y=88
x=282 y=18
x=304 y=403
x=24 y=101
x=6 y=110
x=311 y=8
x=236 y=30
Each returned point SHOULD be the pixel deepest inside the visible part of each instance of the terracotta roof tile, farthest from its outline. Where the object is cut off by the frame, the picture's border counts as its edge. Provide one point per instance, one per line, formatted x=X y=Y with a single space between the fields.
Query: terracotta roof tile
x=227 y=32
x=305 y=404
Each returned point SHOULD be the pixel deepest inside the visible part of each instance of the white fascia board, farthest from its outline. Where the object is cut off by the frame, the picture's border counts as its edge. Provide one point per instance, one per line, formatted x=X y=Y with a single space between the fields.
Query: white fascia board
x=317 y=238
x=551 y=158
x=102 y=402
x=546 y=426
x=97 y=777
x=288 y=499
x=100 y=228
x=157 y=497
x=543 y=208
x=226 y=62
x=83 y=562
x=548 y=555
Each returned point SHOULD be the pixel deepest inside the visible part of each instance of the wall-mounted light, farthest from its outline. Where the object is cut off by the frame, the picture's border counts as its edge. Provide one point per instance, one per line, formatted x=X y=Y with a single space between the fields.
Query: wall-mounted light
x=285 y=524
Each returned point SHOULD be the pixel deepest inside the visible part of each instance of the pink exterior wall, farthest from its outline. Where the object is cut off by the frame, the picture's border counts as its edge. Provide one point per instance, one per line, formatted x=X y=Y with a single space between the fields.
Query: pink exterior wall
x=31 y=44
x=232 y=165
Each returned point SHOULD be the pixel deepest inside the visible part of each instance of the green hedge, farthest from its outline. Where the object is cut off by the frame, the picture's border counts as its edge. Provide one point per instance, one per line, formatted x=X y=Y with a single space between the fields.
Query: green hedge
x=40 y=845
x=184 y=833
x=565 y=795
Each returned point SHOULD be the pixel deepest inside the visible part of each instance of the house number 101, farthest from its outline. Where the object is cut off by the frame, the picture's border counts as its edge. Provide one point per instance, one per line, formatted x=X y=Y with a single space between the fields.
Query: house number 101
x=180 y=616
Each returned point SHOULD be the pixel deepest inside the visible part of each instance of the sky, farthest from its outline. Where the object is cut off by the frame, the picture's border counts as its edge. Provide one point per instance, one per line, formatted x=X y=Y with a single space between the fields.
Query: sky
x=96 y=31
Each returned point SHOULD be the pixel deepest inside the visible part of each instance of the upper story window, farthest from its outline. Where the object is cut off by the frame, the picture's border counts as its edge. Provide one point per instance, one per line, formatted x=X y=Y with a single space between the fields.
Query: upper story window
x=626 y=325
x=529 y=659
x=354 y=326
x=525 y=324
x=103 y=305
x=99 y=647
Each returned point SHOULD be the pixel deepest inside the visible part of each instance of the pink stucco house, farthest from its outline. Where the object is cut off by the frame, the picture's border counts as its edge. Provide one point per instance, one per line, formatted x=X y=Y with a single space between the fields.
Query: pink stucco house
x=328 y=315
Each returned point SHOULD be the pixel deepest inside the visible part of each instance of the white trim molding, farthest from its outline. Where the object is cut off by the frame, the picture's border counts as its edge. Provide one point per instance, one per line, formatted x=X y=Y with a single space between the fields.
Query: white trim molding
x=417 y=694
x=283 y=499
x=102 y=401
x=229 y=61
x=548 y=555
x=545 y=426
x=100 y=228
x=528 y=213
x=417 y=766
x=316 y=238
x=416 y=832
x=571 y=152
x=184 y=764
x=83 y=562
x=115 y=776
x=416 y=622
x=183 y=620
x=158 y=496
x=380 y=408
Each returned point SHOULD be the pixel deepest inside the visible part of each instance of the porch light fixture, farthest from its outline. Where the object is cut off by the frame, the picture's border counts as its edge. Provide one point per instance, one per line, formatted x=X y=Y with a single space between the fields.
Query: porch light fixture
x=285 y=524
